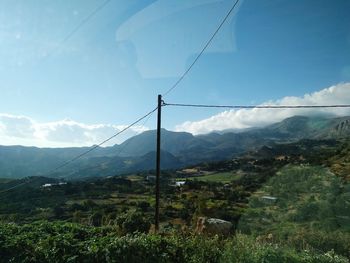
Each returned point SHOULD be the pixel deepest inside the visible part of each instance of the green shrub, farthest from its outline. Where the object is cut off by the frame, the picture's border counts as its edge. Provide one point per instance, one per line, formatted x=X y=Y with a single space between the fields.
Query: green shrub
x=67 y=242
x=244 y=249
x=133 y=221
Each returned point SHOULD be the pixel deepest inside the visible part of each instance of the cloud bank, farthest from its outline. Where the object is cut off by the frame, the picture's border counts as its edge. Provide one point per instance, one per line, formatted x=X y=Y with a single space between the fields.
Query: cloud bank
x=246 y=118
x=22 y=130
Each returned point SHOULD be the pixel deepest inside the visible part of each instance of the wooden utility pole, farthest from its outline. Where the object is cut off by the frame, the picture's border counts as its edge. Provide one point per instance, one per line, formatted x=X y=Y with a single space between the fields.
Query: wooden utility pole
x=159 y=118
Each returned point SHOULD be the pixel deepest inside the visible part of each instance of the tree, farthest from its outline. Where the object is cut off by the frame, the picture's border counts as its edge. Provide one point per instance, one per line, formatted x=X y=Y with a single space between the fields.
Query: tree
x=143 y=205
x=58 y=211
x=133 y=221
x=96 y=219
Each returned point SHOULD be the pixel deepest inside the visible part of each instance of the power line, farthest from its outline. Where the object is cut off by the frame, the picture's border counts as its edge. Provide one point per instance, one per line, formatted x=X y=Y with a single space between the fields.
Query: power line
x=136 y=133
x=257 y=106
x=78 y=26
x=202 y=51
x=103 y=142
x=86 y=152
x=118 y=153
x=15 y=186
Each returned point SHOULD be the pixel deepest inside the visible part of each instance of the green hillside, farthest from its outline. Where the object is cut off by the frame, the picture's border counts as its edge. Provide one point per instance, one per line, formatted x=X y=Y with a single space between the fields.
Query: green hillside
x=302 y=204
x=288 y=202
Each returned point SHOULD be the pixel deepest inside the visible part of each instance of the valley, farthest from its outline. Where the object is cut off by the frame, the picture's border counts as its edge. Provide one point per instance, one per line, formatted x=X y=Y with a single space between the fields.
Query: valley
x=302 y=177
x=292 y=192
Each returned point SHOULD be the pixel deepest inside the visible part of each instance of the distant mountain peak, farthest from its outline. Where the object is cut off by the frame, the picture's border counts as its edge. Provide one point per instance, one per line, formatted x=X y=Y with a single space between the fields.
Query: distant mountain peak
x=178 y=148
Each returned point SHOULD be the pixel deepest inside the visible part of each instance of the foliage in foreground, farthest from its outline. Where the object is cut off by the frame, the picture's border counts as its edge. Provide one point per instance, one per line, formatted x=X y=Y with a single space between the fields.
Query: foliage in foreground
x=66 y=242
x=312 y=209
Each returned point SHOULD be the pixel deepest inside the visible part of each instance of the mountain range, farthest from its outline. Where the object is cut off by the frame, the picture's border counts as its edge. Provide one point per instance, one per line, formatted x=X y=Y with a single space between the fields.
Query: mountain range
x=179 y=149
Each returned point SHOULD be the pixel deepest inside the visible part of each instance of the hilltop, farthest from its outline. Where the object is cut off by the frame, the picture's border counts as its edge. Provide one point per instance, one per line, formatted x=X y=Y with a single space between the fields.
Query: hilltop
x=180 y=149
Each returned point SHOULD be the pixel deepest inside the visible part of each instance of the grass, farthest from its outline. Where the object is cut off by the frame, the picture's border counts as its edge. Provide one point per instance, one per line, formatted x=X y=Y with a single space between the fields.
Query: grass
x=134 y=177
x=225 y=177
x=5 y=180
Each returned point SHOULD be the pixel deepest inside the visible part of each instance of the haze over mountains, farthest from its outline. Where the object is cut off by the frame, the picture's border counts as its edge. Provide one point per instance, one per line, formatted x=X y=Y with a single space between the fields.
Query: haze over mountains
x=178 y=149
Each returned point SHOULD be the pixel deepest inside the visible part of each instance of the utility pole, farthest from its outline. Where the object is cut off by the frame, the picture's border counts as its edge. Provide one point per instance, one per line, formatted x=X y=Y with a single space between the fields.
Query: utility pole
x=159 y=118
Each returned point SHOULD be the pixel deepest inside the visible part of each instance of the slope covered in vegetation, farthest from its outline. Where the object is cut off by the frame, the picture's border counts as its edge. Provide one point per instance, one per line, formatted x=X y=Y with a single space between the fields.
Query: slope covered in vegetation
x=95 y=220
x=65 y=242
x=302 y=205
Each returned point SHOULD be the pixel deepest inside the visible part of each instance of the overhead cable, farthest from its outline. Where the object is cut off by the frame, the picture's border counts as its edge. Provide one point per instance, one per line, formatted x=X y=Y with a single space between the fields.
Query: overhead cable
x=257 y=106
x=103 y=142
x=86 y=152
x=78 y=26
x=16 y=186
x=117 y=154
x=202 y=51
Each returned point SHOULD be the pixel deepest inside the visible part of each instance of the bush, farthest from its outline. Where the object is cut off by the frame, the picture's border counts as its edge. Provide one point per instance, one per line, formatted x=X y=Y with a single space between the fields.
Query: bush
x=244 y=249
x=67 y=242
x=133 y=221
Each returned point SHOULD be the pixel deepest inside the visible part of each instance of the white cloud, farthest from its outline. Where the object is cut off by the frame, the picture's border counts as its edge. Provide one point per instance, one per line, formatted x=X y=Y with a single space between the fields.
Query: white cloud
x=22 y=130
x=245 y=118
x=17 y=126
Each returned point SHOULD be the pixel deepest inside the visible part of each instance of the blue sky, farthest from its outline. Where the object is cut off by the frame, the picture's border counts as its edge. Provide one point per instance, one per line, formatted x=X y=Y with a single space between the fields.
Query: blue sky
x=110 y=71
